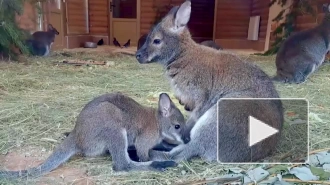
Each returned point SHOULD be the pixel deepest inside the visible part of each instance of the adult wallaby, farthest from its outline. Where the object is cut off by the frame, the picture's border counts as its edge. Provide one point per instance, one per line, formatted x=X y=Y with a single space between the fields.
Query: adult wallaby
x=302 y=53
x=211 y=44
x=200 y=76
x=111 y=123
x=41 y=41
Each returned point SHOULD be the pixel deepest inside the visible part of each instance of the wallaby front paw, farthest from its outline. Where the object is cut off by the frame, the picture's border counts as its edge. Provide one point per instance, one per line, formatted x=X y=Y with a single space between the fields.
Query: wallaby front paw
x=158 y=155
x=163 y=165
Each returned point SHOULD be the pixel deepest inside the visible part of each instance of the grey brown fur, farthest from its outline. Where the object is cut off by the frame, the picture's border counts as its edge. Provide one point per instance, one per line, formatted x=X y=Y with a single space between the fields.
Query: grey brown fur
x=112 y=123
x=41 y=41
x=200 y=76
x=141 y=41
x=211 y=44
x=302 y=53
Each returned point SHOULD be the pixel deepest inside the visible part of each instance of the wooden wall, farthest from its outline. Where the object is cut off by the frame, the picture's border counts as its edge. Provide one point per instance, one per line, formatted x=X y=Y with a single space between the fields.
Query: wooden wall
x=28 y=20
x=147 y=16
x=232 y=19
x=98 y=17
x=232 y=23
x=77 y=18
x=261 y=8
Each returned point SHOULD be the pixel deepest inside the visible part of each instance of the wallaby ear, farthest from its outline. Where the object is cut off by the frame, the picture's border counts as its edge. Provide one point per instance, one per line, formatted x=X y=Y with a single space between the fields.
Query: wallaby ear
x=182 y=16
x=164 y=104
x=50 y=27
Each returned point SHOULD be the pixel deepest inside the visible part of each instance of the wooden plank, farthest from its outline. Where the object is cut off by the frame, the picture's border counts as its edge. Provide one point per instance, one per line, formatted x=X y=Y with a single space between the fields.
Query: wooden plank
x=232 y=19
x=77 y=30
x=98 y=8
x=98 y=24
x=98 y=19
x=74 y=18
x=98 y=30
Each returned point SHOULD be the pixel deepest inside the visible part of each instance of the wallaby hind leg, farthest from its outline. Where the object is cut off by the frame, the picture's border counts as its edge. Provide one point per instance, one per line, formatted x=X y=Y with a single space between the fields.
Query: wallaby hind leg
x=143 y=144
x=118 y=150
x=301 y=76
x=121 y=160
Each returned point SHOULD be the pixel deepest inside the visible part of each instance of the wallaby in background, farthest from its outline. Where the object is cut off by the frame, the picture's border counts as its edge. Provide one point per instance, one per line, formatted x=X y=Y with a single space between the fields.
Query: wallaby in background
x=141 y=41
x=211 y=44
x=111 y=123
x=302 y=53
x=200 y=76
x=41 y=41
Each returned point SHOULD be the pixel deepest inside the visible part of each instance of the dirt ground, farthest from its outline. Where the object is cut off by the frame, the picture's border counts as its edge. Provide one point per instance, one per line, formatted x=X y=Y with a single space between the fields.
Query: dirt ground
x=28 y=157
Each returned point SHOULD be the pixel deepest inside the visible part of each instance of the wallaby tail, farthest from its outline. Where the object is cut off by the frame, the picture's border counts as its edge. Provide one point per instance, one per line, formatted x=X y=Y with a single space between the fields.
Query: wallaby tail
x=151 y=165
x=60 y=155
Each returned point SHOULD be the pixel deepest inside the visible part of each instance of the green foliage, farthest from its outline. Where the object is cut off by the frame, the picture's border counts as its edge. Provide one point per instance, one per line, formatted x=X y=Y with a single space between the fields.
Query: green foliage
x=285 y=29
x=11 y=35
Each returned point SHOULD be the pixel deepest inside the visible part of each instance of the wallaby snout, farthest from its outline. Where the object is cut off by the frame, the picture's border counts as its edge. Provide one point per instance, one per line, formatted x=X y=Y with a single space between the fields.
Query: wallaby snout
x=139 y=57
x=186 y=139
x=142 y=54
x=52 y=29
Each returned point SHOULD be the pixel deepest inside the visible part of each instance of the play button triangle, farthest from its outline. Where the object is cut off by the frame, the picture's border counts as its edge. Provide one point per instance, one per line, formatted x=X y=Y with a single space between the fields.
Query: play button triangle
x=259 y=131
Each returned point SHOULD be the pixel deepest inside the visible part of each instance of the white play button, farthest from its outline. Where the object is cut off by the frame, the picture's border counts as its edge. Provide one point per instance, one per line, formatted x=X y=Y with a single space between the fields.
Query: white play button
x=259 y=131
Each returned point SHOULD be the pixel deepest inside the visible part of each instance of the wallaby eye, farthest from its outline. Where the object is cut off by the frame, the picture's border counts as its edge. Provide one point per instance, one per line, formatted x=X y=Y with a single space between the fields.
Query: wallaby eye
x=157 y=41
x=177 y=126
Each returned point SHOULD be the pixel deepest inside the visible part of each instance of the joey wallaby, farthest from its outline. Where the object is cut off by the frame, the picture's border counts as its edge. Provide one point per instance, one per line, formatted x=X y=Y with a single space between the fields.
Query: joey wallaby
x=302 y=53
x=41 y=41
x=211 y=44
x=200 y=76
x=111 y=123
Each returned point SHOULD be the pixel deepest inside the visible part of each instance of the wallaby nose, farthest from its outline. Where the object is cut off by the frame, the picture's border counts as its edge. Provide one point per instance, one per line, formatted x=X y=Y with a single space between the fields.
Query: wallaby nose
x=186 y=140
x=138 y=55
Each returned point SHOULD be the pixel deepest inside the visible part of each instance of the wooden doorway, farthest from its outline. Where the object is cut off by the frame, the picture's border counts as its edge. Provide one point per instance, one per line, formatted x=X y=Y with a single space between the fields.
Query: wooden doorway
x=55 y=17
x=124 y=21
x=201 y=22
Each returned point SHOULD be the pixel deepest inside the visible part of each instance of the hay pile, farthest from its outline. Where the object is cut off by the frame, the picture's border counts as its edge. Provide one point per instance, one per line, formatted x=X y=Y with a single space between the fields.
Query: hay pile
x=40 y=101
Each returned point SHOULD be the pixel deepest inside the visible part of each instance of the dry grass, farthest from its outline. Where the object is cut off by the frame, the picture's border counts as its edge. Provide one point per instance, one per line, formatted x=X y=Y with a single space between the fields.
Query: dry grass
x=40 y=101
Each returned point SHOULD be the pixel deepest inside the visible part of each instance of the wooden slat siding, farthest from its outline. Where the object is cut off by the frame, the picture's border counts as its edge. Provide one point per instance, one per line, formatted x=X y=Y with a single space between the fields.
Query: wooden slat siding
x=200 y=24
x=98 y=17
x=28 y=20
x=148 y=13
x=76 y=17
x=261 y=8
x=232 y=19
x=147 y=16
